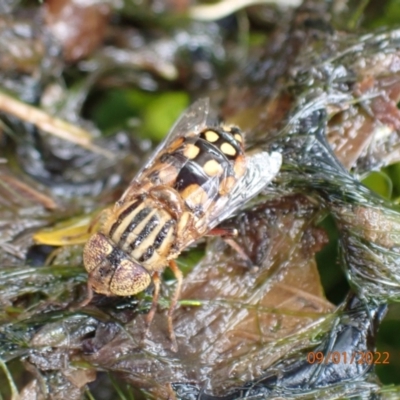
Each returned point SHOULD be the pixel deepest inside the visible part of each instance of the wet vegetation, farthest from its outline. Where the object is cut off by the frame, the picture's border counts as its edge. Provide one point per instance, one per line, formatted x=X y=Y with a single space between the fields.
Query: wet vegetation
x=86 y=93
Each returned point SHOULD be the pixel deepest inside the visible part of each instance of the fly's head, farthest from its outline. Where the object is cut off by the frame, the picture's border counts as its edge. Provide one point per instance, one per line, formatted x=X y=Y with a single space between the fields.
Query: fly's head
x=111 y=271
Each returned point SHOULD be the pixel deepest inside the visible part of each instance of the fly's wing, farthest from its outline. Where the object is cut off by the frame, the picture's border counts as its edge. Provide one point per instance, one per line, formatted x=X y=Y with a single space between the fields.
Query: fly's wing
x=261 y=168
x=189 y=124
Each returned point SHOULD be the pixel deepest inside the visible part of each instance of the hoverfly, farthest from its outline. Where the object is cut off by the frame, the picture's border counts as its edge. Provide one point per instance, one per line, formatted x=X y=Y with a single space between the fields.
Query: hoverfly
x=196 y=178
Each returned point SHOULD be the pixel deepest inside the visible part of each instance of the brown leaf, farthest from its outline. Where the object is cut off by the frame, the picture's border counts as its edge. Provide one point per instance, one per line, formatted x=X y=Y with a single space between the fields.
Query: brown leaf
x=79 y=27
x=247 y=318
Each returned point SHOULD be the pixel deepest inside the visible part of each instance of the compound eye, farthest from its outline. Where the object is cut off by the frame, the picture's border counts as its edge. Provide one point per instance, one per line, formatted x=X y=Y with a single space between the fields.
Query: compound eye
x=97 y=248
x=129 y=278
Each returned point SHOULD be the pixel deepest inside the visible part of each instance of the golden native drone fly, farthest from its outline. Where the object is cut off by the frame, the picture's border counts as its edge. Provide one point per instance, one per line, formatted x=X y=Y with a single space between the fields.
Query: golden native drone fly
x=197 y=177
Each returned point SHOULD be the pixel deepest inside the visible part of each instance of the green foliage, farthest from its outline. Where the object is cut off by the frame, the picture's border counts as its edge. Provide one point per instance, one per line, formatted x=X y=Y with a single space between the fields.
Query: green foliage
x=147 y=113
x=163 y=111
x=380 y=183
x=390 y=16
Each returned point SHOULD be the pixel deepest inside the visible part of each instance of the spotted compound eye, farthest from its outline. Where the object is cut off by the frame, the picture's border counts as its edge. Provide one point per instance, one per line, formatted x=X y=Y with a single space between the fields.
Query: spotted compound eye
x=112 y=271
x=96 y=250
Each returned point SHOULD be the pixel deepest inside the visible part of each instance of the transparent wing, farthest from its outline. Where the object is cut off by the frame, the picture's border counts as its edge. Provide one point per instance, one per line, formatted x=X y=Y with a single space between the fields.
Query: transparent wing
x=190 y=123
x=261 y=168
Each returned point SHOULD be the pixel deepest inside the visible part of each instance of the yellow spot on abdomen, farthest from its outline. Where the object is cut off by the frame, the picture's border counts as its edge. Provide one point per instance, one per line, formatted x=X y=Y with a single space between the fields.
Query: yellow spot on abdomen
x=211 y=136
x=238 y=137
x=239 y=166
x=227 y=128
x=212 y=168
x=194 y=195
x=191 y=151
x=227 y=185
x=228 y=149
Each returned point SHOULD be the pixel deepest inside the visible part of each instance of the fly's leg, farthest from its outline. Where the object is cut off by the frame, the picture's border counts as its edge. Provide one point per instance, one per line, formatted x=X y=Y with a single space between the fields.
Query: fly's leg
x=154 y=303
x=227 y=234
x=87 y=300
x=179 y=279
x=223 y=232
x=230 y=242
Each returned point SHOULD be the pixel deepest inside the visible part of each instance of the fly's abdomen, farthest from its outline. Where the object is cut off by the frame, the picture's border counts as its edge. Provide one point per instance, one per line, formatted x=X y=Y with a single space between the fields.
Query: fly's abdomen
x=187 y=179
x=212 y=164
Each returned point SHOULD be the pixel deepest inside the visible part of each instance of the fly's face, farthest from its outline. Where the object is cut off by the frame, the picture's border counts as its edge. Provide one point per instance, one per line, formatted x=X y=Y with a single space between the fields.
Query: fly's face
x=111 y=270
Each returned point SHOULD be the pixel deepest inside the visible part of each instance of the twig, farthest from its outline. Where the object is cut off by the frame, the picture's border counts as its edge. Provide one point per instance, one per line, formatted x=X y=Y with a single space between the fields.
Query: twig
x=227 y=7
x=49 y=124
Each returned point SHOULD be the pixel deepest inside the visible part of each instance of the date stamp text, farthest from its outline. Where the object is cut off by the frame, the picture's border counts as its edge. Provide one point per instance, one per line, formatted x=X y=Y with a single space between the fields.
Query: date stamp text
x=358 y=357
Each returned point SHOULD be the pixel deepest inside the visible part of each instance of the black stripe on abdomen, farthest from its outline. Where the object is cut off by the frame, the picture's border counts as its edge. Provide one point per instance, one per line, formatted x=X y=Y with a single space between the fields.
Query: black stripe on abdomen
x=158 y=241
x=162 y=234
x=191 y=173
x=225 y=137
x=137 y=219
x=145 y=232
x=209 y=152
x=122 y=216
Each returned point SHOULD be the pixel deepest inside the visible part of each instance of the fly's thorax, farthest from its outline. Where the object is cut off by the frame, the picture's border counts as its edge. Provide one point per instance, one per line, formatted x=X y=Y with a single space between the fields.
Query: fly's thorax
x=145 y=230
